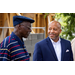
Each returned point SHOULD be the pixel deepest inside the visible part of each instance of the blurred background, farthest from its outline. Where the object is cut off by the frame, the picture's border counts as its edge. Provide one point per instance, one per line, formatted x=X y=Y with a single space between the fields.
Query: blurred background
x=39 y=27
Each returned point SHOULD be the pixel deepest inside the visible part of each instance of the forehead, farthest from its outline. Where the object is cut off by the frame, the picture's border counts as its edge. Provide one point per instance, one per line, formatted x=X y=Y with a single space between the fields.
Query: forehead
x=55 y=24
x=26 y=23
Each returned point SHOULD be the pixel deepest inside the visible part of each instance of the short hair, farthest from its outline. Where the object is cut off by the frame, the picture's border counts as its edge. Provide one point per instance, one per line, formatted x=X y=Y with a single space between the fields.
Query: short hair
x=55 y=21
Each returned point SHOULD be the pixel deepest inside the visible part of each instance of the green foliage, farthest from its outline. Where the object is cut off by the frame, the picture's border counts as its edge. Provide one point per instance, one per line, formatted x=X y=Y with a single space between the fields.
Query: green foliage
x=67 y=21
x=45 y=14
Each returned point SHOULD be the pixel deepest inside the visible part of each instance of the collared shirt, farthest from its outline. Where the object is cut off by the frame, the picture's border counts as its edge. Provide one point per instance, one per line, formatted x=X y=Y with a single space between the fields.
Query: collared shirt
x=57 y=48
x=13 y=49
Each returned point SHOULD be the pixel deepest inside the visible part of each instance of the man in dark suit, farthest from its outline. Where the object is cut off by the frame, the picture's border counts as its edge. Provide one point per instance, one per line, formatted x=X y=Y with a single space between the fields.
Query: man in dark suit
x=53 y=48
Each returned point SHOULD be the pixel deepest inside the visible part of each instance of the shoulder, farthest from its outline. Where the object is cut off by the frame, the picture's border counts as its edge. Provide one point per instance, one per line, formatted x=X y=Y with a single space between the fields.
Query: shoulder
x=73 y=41
x=8 y=40
x=4 y=42
x=42 y=42
x=65 y=41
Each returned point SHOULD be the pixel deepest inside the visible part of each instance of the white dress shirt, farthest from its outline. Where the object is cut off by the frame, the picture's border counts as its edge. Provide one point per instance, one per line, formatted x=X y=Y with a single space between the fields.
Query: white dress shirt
x=57 y=48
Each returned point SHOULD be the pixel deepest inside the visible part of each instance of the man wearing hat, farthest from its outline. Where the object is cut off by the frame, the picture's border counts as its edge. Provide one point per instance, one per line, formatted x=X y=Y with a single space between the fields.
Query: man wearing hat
x=12 y=47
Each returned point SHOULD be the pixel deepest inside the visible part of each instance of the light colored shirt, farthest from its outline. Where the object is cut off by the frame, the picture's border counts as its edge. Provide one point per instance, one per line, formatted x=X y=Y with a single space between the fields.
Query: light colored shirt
x=57 y=48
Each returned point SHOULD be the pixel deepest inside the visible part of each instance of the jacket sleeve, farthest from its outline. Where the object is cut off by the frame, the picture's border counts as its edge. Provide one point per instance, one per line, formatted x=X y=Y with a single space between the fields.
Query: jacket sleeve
x=37 y=55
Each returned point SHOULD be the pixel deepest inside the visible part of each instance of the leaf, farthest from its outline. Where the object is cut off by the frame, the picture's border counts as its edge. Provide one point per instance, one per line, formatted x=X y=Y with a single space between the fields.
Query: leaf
x=67 y=21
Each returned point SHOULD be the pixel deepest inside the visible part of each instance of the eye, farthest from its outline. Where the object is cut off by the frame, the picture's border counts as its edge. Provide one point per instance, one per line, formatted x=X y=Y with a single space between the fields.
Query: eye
x=28 y=27
x=55 y=29
x=49 y=28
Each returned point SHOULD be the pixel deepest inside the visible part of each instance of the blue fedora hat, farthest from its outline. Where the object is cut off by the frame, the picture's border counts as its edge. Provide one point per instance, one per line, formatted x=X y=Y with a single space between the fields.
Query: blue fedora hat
x=19 y=19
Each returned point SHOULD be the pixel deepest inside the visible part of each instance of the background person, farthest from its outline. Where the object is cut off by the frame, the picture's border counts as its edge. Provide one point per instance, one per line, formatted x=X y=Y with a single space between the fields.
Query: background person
x=73 y=47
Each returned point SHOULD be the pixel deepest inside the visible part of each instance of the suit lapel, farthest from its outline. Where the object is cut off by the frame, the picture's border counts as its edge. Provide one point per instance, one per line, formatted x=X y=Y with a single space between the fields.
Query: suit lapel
x=49 y=43
x=62 y=49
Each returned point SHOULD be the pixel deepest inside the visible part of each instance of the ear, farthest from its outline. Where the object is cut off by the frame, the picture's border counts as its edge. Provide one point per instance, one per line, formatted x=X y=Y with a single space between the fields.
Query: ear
x=19 y=26
x=60 y=30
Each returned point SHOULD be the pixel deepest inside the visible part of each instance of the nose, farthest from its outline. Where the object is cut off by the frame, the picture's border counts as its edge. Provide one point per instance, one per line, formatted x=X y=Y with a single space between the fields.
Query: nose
x=52 y=30
x=30 y=30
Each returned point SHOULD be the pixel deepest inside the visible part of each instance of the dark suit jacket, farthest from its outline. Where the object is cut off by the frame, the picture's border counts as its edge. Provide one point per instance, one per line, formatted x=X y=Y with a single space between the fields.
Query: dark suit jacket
x=44 y=51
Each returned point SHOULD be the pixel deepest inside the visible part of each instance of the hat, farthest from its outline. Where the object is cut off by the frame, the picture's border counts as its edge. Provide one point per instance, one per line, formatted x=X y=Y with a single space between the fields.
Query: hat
x=20 y=19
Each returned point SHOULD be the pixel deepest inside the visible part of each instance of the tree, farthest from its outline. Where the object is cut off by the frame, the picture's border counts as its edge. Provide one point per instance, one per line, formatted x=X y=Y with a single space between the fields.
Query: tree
x=67 y=21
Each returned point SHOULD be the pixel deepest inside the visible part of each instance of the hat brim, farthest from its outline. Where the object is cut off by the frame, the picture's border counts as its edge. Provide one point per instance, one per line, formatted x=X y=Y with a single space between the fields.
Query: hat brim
x=20 y=19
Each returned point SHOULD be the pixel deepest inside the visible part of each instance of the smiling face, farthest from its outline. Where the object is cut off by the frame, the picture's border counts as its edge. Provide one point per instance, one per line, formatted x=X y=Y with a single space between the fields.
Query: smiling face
x=54 y=30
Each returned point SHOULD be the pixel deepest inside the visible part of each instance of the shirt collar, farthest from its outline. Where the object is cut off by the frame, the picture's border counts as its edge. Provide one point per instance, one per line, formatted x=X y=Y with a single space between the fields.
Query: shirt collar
x=17 y=39
x=55 y=42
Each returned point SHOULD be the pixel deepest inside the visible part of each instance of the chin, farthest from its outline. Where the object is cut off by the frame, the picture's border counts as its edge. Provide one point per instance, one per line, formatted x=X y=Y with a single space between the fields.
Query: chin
x=26 y=37
x=53 y=38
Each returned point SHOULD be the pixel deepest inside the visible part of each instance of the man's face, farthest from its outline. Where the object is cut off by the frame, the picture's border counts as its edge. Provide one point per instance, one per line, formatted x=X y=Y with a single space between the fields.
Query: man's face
x=54 y=30
x=25 y=29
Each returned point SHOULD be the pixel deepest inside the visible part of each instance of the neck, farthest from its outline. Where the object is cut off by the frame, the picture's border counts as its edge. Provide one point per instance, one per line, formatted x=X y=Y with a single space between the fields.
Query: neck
x=17 y=34
x=56 y=39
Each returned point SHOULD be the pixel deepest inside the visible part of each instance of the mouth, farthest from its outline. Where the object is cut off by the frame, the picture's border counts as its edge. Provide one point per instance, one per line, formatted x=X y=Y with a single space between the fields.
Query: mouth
x=51 y=35
x=28 y=33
